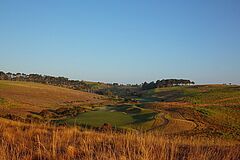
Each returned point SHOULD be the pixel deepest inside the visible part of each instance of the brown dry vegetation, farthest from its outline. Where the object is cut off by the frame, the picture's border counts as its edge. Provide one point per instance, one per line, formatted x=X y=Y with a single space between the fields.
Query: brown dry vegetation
x=184 y=119
x=22 y=97
x=31 y=141
x=199 y=122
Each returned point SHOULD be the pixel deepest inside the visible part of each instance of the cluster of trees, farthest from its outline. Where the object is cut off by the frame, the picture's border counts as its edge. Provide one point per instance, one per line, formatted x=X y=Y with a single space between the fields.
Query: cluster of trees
x=116 y=92
x=57 y=81
x=166 y=83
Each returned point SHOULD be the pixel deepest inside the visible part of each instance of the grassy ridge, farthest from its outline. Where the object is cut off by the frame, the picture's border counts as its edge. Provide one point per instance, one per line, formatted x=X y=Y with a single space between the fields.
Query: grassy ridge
x=28 y=96
x=216 y=108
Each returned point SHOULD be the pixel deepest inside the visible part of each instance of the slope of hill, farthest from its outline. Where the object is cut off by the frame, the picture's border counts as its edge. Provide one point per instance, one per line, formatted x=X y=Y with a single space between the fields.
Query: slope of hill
x=181 y=122
x=28 y=102
x=22 y=97
x=215 y=109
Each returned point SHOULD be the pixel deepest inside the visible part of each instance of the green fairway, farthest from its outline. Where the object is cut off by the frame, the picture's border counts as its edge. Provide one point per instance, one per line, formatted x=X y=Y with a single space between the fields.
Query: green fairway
x=117 y=116
x=98 y=118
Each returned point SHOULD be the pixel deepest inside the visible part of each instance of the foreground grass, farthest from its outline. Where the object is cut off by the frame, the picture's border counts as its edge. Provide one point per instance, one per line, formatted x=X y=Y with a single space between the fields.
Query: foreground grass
x=29 y=141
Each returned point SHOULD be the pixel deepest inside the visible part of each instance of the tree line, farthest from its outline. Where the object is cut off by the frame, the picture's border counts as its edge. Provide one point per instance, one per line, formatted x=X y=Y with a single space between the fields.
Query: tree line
x=166 y=83
x=84 y=86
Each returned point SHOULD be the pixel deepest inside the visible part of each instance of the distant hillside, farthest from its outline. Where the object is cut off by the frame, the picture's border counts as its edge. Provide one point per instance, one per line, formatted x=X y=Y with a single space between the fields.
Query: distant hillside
x=113 y=90
x=215 y=109
x=51 y=80
x=22 y=97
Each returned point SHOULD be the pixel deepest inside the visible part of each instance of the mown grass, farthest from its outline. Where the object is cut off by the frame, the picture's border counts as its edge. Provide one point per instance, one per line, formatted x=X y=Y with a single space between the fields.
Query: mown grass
x=123 y=116
x=98 y=118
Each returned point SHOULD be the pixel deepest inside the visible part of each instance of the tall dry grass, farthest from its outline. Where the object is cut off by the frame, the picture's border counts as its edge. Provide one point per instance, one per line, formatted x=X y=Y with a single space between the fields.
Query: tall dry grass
x=30 y=141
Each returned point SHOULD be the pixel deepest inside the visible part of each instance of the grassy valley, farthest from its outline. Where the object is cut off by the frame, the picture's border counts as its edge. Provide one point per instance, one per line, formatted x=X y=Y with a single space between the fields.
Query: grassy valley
x=178 y=121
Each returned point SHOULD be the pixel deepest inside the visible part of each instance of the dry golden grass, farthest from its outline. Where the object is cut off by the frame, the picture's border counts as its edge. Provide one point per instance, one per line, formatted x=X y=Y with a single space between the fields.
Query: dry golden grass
x=21 y=97
x=31 y=141
x=199 y=119
x=178 y=125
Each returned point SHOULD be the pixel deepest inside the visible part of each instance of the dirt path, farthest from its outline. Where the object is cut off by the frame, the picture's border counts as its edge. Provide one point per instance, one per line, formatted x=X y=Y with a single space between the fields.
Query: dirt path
x=157 y=118
x=173 y=125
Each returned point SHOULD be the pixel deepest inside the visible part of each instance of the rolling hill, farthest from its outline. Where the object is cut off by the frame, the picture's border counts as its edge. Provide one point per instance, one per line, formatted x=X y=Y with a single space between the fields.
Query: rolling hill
x=181 y=122
x=207 y=110
x=22 y=97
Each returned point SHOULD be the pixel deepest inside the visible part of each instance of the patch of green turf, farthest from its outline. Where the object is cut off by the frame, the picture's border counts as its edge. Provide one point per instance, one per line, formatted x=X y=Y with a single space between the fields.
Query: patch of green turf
x=98 y=118
x=144 y=117
x=117 y=116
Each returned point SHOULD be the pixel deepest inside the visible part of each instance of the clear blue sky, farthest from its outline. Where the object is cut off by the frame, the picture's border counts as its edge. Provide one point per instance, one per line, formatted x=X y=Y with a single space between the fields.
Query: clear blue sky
x=125 y=41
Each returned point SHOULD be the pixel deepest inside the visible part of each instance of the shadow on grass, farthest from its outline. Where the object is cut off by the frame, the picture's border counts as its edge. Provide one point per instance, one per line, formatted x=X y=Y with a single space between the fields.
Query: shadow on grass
x=143 y=117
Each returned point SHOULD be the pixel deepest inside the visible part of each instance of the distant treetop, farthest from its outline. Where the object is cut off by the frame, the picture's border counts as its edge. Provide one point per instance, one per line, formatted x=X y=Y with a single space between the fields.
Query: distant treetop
x=166 y=83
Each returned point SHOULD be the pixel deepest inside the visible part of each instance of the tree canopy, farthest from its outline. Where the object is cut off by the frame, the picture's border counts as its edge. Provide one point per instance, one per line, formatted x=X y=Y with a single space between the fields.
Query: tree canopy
x=166 y=83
